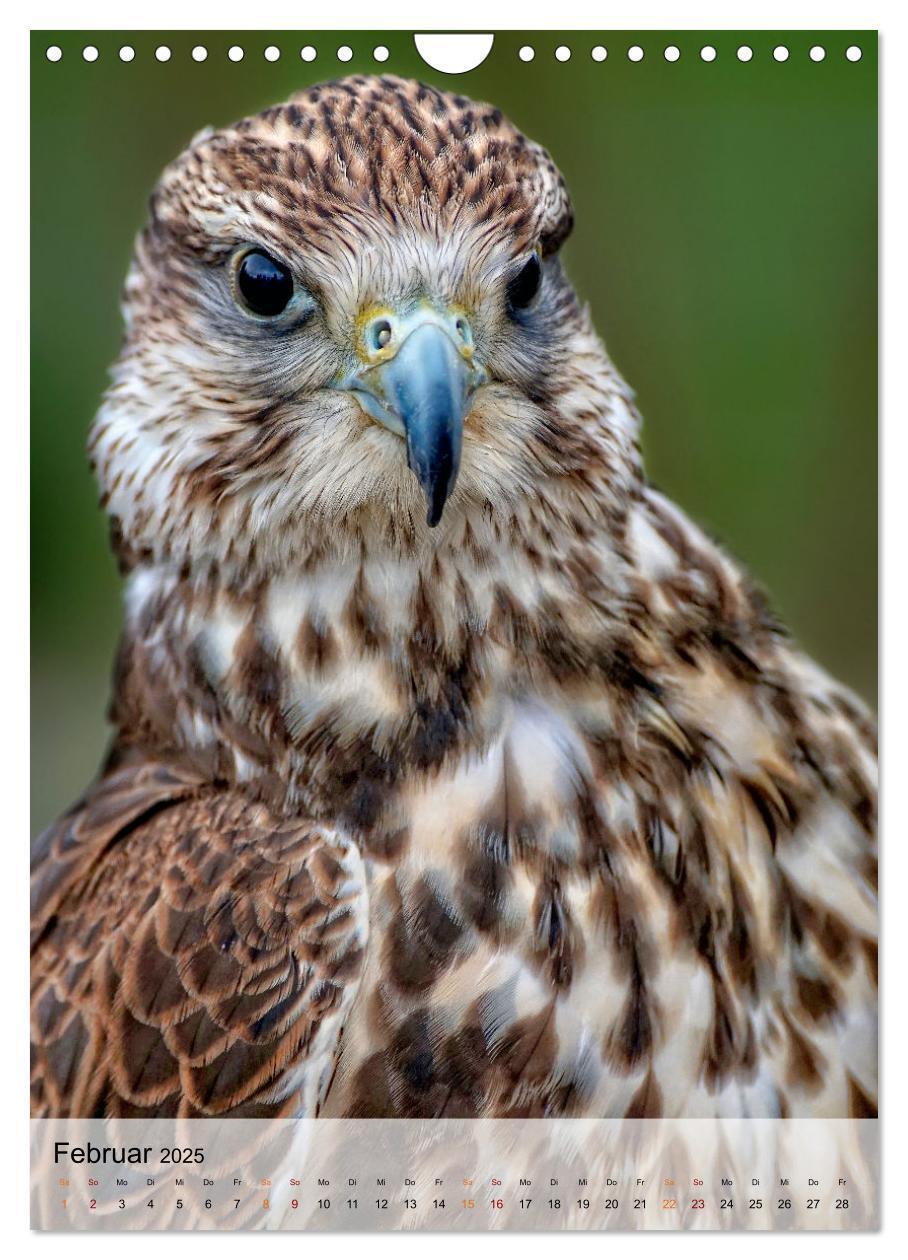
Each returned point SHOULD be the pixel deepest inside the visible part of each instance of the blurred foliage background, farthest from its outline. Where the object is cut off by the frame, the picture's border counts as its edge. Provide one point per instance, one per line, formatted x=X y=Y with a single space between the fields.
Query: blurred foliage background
x=726 y=239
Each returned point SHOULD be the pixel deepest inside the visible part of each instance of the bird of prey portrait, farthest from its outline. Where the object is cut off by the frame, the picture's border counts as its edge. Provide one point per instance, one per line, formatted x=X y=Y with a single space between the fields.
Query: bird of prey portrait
x=455 y=771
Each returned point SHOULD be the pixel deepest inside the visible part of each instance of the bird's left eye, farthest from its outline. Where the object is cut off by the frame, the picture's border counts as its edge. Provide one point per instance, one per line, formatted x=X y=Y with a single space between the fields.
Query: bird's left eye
x=524 y=286
x=265 y=285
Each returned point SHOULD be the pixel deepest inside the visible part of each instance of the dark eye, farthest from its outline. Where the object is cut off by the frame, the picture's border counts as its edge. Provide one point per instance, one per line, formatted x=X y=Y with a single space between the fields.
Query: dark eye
x=523 y=287
x=265 y=285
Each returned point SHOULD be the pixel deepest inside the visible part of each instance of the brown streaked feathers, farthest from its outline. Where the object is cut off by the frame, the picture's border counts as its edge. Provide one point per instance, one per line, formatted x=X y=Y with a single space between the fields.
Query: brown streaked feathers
x=204 y=961
x=536 y=813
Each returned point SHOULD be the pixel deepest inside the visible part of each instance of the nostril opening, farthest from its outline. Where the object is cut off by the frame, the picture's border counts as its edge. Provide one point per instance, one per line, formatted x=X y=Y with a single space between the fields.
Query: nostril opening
x=380 y=334
x=463 y=330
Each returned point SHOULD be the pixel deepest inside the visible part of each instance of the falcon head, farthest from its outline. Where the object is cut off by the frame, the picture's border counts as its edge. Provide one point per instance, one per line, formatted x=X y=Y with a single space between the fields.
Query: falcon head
x=349 y=312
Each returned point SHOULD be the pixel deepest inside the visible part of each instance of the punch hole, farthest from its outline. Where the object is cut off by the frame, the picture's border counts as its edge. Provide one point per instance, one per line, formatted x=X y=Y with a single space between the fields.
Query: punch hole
x=780 y=52
x=745 y=53
x=272 y=53
x=635 y=53
x=526 y=53
x=235 y=52
x=308 y=53
x=672 y=53
x=162 y=53
x=562 y=53
x=817 y=53
x=599 y=53
x=54 y=53
x=853 y=53
x=380 y=53
x=199 y=53
x=707 y=53
x=127 y=53
x=89 y=53
x=344 y=53
x=453 y=54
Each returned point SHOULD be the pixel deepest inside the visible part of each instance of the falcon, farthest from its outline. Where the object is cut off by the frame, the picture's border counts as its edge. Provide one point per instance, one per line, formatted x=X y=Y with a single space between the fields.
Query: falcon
x=455 y=772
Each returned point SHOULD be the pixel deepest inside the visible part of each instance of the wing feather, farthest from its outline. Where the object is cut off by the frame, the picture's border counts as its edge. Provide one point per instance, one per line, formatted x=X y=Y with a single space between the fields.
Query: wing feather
x=194 y=954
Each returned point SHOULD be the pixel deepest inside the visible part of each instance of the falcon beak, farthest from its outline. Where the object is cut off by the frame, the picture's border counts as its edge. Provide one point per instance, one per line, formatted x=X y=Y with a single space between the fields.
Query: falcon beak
x=417 y=380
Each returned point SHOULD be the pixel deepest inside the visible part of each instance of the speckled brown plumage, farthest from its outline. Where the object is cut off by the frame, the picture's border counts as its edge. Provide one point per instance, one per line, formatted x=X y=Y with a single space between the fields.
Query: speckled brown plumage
x=535 y=813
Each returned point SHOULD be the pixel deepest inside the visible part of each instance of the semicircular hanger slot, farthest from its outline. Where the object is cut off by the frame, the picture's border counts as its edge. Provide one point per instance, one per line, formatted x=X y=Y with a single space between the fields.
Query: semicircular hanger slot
x=453 y=54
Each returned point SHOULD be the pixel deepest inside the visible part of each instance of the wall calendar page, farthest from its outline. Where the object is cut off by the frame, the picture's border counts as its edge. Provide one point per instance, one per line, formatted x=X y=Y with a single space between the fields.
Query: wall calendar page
x=454 y=758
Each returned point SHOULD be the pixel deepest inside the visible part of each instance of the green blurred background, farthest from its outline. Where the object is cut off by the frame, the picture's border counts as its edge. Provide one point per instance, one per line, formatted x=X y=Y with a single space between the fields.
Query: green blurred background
x=726 y=239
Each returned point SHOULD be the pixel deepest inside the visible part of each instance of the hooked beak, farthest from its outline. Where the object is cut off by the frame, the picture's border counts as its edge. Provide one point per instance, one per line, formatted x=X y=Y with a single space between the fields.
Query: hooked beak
x=417 y=381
